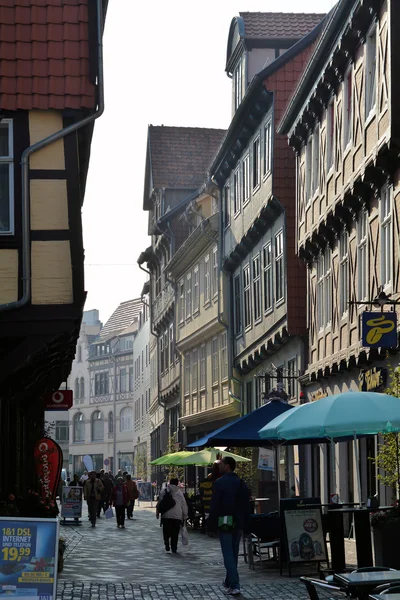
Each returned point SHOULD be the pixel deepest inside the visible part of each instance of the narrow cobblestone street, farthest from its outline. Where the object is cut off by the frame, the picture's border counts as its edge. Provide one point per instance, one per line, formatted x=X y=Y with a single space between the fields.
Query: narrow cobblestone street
x=107 y=563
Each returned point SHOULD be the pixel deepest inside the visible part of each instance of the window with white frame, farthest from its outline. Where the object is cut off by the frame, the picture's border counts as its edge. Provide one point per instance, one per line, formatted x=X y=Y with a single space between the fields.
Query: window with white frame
x=237 y=81
x=77 y=390
x=122 y=379
x=370 y=72
x=6 y=178
x=224 y=355
x=256 y=162
x=246 y=178
x=256 y=288
x=195 y=353
x=187 y=374
x=166 y=348
x=171 y=344
x=267 y=147
x=386 y=235
x=215 y=271
x=315 y=160
x=202 y=366
x=188 y=295
x=344 y=271
x=246 y=296
x=362 y=256
x=62 y=431
x=163 y=366
x=267 y=266
x=97 y=422
x=227 y=204
x=238 y=305
x=181 y=301
x=291 y=386
x=214 y=360
x=236 y=192
x=309 y=169
x=324 y=291
x=347 y=108
x=207 y=279
x=196 y=289
x=279 y=268
x=126 y=419
x=330 y=135
x=79 y=428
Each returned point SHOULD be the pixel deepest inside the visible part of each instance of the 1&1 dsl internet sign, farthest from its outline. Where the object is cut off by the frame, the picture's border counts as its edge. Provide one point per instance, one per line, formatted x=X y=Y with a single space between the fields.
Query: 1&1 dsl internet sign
x=379 y=330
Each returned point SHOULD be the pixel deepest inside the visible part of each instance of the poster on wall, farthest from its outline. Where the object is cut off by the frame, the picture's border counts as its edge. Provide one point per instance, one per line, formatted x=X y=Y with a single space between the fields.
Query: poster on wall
x=71 y=502
x=28 y=558
x=266 y=459
x=305 y=537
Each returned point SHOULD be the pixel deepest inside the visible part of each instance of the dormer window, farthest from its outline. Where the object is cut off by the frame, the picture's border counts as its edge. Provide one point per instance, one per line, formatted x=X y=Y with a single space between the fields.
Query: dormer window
x=238 y=81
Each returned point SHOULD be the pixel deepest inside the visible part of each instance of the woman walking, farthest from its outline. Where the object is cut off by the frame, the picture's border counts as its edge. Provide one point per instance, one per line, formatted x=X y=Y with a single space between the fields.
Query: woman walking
x=120 y=499
x=172 y=518
x=133 y=495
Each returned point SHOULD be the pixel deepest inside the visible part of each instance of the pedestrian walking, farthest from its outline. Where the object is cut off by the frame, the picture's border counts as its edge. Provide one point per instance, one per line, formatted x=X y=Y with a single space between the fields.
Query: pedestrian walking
x=108 y=488
x=133 y=494
x=120 y=499
x=173 y=518
x=75 y=481
x=92 y=490
x=230 y=516
x=112 y=478
x=84 y=477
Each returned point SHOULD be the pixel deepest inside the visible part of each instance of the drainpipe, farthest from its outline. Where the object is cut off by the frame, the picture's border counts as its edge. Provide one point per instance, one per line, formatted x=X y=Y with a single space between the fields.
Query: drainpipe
x=26 y=251
x=228 y=326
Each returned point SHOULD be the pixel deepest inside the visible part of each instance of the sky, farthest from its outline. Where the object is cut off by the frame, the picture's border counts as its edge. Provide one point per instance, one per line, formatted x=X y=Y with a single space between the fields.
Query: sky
x=164 y=64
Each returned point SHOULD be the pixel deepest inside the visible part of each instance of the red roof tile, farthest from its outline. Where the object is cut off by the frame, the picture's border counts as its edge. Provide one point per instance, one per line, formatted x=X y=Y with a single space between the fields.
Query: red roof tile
x=180 y=156
x=277 y=25
x=44 y=52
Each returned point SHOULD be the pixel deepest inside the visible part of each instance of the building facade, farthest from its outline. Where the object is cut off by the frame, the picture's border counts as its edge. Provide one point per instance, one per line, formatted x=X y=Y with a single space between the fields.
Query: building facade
x=176 y=163
x=49 y=104
x=142 y=395
x=102 y=419
x=343 y=126
x=201 y=324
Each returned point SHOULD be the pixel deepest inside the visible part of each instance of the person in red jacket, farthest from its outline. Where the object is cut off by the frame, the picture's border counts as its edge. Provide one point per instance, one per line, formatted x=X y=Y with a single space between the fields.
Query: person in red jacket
x=120 y=499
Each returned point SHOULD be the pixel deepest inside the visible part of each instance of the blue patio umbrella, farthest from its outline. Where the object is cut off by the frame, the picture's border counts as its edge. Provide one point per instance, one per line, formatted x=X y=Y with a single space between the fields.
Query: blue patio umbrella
x=351 y=414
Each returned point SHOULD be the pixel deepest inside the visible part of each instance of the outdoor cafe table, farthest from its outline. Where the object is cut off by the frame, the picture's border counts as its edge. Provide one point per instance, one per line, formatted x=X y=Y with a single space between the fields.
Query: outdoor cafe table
x=362 y=584
x=362 y=531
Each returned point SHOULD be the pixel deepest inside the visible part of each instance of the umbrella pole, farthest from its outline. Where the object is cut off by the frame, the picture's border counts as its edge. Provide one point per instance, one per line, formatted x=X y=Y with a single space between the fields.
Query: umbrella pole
x=278 y=472
x=357 y=459
x=333 y=467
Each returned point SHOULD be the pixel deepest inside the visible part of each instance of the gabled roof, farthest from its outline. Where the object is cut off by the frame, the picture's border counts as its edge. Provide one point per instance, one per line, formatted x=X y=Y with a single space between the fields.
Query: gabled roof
x=277 y=25
x=123 y=316
x=44 y=55
x=178 y=157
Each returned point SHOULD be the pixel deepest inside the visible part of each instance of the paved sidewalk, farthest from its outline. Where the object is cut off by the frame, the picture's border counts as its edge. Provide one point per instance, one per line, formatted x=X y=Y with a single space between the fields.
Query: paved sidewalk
x=107 y=563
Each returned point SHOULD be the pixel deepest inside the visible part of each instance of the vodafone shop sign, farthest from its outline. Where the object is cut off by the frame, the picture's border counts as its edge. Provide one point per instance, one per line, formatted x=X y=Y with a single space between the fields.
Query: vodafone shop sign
x=59 y=400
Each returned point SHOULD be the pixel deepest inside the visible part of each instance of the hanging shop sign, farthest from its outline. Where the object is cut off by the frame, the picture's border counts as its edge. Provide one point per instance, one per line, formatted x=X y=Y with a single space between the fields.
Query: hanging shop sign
x=266 y=459
x=71 y=502
x=28 y=558
x=48 y=458
x=379 y=330
x=318 y=395
x=205 y=489
x=59 y=400
x=372 y=379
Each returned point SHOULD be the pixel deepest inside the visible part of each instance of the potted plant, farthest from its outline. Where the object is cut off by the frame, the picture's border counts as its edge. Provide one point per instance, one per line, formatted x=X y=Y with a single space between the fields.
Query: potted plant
x=386 y=535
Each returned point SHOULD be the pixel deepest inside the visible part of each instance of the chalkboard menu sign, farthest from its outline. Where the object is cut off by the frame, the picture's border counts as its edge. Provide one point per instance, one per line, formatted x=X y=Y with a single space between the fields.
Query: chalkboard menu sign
x=205 y=488
x=303 y=537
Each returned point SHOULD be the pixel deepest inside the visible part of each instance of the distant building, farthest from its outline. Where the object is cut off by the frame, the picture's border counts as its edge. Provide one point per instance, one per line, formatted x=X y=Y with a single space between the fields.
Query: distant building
x=102 y=417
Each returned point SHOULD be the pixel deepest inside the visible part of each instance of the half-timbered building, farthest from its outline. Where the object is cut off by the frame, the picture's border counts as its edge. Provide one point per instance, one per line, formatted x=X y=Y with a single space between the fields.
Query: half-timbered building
x=344 y=125
x=51 y=92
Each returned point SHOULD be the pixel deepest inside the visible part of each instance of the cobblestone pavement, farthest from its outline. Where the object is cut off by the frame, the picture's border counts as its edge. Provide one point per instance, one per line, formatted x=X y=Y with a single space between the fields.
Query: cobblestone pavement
x=107 y=563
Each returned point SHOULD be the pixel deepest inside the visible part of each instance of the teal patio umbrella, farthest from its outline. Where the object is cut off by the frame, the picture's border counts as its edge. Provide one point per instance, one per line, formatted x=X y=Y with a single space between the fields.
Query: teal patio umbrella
x=347 y=415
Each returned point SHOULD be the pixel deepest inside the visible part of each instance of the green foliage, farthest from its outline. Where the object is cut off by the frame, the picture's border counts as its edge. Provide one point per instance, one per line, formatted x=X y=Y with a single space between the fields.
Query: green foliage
x=388 y=456
x=246 y=470
x=141 y=465
x=173 y=470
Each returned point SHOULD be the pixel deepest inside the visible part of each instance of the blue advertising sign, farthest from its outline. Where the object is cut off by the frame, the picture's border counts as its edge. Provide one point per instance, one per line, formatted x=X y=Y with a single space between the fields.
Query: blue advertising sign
x=28 y=558
x=71 y=502
x=379 y=330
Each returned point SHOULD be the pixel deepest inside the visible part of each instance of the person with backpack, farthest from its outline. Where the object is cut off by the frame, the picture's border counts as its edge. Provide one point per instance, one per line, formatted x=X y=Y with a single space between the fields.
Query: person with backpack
x=133 y=495
x=173 y=509
x=230 y=516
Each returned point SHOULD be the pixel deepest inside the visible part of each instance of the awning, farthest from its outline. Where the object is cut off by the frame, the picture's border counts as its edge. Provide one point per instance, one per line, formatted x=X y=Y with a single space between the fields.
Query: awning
x=244 y=431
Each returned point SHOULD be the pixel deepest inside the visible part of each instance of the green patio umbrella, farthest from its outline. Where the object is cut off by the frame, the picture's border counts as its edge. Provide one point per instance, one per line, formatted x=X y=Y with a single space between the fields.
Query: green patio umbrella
x=198 y=459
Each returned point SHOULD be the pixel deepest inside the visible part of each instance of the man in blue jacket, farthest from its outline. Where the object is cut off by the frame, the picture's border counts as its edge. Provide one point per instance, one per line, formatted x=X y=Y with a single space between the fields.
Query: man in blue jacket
x=230 y=514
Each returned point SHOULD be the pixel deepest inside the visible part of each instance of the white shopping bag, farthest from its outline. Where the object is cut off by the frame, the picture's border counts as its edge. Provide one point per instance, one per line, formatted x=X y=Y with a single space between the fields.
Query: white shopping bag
x=109 y=513
x=184 y=535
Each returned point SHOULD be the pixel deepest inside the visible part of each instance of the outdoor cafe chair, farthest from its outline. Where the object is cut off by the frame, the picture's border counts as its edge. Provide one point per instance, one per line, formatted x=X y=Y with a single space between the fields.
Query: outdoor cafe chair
x=315 y=585
x=263 y=540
